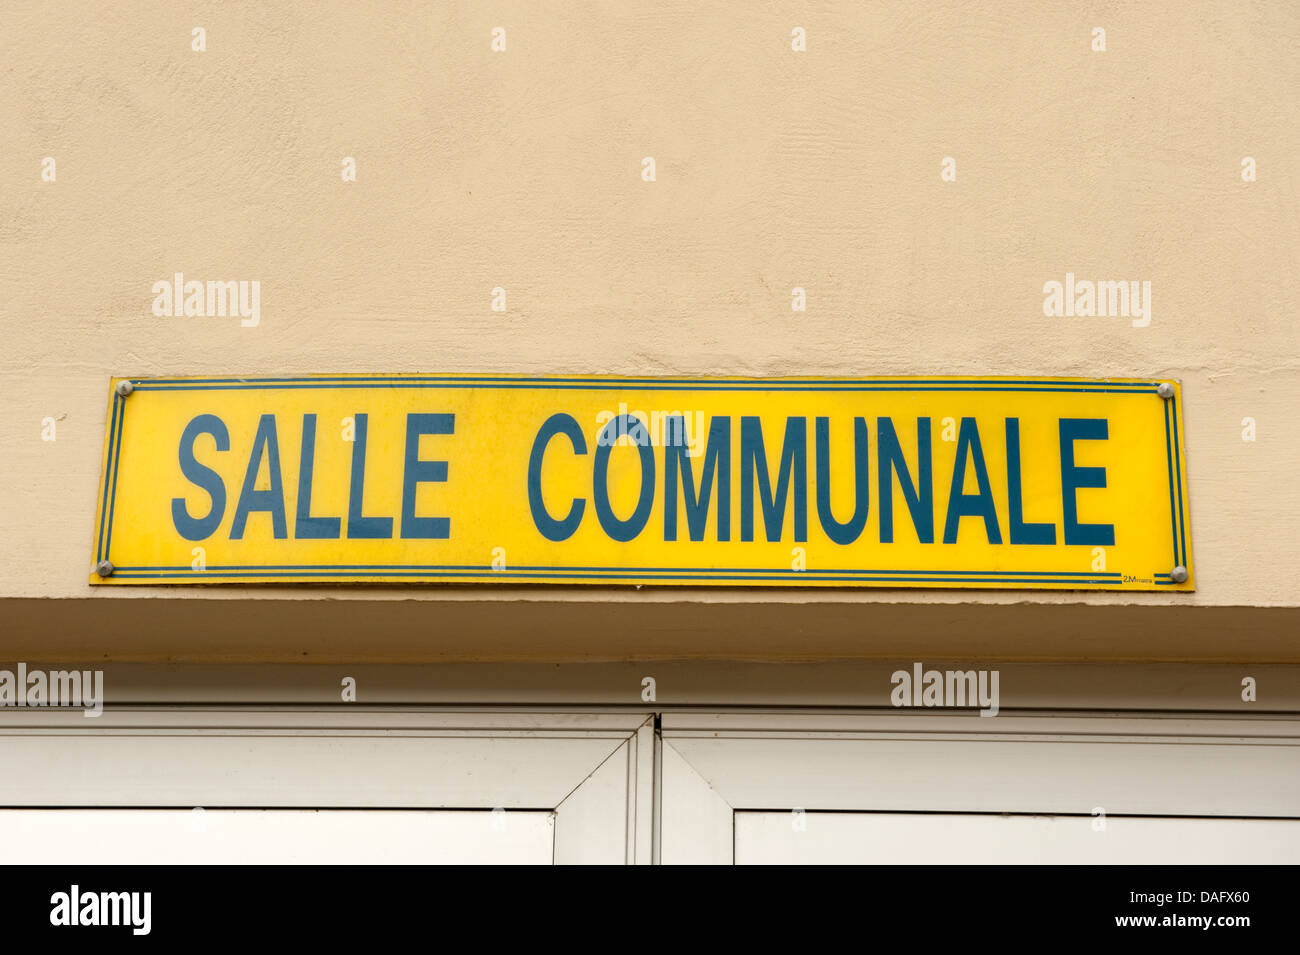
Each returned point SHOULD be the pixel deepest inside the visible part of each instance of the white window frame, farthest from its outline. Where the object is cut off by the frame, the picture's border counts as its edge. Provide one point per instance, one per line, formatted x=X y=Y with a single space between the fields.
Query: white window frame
x=622 y=793
x=717 y=764
x=593 y=770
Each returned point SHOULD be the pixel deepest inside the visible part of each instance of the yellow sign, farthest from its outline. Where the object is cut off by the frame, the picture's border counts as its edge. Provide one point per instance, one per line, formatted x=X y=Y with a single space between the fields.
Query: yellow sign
x=874 y=482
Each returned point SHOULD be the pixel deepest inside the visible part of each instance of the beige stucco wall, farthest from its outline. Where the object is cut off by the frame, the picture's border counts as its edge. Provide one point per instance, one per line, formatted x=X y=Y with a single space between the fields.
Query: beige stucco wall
x=775 y=169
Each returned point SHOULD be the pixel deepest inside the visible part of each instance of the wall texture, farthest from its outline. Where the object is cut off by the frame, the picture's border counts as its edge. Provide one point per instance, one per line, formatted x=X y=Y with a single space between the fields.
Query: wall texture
x=775 y=169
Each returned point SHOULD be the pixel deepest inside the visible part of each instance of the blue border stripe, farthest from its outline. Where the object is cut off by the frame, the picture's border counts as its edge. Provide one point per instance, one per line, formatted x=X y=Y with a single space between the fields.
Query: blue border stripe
x=1178 y=483
x=600 y=386
x=528 y=382
x=602 y=576
x=108 y=471
x=1169 y=458
x=704 y=571
x=117 y=457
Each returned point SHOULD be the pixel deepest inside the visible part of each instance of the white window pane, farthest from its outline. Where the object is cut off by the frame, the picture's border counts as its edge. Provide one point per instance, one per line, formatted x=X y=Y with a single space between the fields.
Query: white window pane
x=308 y=836
x=923 y=839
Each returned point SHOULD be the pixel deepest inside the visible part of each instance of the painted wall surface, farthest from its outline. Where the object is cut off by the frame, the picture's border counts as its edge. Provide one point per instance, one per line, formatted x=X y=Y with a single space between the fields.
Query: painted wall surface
x=920 y=170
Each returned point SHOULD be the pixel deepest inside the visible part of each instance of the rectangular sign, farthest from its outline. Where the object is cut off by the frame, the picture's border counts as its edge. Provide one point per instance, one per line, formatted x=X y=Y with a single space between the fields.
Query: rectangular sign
x=1044 y=483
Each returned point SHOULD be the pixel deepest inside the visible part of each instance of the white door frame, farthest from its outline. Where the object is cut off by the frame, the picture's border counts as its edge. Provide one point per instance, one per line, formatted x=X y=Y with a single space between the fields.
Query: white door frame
x=716 y=764
x=594 y=770
x=617 y=800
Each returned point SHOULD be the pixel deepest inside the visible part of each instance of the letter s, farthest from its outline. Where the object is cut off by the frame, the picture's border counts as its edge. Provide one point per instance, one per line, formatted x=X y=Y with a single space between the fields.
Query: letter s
x=199 y=528
x=552 y=529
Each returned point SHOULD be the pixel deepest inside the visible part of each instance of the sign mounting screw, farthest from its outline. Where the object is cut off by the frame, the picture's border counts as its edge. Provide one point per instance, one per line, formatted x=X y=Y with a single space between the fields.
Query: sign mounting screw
x=1179 y=574
x=104 y=568
x=1165 y=390
x=124 y=388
